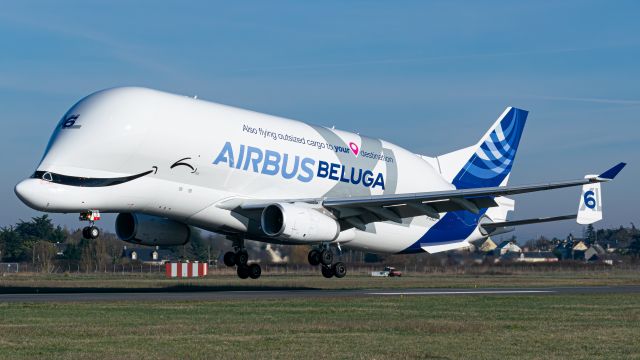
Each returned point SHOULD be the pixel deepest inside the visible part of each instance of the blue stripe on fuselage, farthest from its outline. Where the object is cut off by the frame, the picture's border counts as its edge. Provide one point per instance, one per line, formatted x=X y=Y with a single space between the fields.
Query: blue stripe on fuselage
x=453 y=226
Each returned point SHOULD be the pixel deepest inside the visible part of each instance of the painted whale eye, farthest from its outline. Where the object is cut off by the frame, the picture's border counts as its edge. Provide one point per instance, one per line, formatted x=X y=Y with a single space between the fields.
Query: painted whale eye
x=47 y=176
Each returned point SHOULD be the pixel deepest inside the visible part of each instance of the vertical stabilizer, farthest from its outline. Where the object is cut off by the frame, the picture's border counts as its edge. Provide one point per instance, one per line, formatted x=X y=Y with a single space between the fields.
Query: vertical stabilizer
x=489 y=162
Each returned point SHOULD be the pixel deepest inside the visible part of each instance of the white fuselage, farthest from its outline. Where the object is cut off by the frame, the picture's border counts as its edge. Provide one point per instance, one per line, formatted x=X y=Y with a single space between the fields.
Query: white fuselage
x=203 y=154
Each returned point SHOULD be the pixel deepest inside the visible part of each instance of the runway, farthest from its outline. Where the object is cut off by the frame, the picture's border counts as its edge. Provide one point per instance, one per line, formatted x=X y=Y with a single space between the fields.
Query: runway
x=50 y=294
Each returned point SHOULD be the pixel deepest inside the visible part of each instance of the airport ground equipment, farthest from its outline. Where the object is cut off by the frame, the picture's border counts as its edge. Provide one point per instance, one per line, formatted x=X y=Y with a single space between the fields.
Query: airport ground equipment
x=186 y=269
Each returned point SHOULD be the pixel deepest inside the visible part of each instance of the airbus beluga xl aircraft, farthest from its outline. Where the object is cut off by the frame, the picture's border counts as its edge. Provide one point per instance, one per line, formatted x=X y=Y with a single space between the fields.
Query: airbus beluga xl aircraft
x=167 y=163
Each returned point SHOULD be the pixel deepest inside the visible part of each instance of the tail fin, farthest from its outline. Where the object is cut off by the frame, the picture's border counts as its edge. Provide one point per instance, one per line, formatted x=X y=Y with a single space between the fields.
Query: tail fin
x=487 y=163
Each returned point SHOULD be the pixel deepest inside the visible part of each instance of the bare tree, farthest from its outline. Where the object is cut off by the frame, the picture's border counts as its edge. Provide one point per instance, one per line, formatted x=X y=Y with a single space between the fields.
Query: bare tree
x=43 y=255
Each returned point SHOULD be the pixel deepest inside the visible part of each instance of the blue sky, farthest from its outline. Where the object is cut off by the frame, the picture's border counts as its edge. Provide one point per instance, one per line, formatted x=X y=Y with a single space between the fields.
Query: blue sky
x=430 y=76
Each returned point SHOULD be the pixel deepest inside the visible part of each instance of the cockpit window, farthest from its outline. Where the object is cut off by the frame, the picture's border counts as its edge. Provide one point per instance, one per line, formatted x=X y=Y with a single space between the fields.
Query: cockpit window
x=85 y=181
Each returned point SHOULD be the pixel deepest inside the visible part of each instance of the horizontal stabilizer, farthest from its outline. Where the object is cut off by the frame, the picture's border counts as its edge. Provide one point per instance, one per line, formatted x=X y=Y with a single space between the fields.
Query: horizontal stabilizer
x=491 y=226
x=436 y=248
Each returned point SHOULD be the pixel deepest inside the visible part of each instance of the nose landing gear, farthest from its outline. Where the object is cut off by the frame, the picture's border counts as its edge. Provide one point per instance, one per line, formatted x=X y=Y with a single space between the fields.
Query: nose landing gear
x=91 y=231
x=240 y=259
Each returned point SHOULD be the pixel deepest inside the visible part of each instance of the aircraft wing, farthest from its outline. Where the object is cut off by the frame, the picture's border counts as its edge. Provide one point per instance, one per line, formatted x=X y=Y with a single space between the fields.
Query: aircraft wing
x=467 y=194
x=359 y=210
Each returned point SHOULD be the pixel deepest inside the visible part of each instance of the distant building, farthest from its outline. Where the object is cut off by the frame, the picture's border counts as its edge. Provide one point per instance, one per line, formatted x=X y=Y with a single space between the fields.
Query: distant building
x=488 y=246
x=580 y=246
x=537 y=257
x=571 y=248
x=564 y=251
x=595 y=253
x=148 y=255
x=507 y=247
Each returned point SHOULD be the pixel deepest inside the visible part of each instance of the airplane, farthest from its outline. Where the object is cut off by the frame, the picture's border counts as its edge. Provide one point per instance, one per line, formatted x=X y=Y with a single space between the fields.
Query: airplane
x=168 y=163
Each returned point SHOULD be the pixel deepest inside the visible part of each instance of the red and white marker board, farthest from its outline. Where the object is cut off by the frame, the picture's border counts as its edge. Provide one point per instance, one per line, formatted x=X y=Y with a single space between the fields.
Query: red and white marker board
x=186 y=270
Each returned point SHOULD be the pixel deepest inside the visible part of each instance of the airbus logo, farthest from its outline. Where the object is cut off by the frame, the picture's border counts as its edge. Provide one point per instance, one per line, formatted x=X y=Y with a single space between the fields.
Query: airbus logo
x=304 y=169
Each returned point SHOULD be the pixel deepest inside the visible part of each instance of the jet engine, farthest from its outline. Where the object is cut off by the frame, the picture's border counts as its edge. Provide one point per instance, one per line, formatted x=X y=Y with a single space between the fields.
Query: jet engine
x=298 y=223
x=151 y=230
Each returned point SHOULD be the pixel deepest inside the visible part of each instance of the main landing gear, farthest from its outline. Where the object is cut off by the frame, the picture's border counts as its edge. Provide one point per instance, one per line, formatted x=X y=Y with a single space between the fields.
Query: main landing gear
x=239 y=258
x=91 y=231
x=324 y=257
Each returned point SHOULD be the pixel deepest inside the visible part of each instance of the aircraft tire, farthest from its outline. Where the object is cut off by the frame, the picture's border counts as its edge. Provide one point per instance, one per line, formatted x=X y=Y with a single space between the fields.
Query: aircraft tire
x=326 y=257
x=327 y=272
x=85 y=232
x=241 y=258
x=314 y=257
x=339 y=270
x=243 y=271
x=93 y=232
x=229 y=258
x=255 y=271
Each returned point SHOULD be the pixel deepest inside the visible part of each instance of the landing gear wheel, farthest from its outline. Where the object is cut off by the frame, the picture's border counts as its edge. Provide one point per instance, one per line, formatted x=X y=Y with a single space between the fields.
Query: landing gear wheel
x=241 y=258
x=93 y=232
x=327 y=272
x=243 y=271
x=314 y=257
x=326 y=257
x=339 y=270
x=85 y=232
x=254 y=271
x=230 y=258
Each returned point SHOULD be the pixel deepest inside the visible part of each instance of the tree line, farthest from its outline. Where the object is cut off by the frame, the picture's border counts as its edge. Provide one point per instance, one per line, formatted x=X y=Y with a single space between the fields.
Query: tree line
x=38 y=242
x=625 y=240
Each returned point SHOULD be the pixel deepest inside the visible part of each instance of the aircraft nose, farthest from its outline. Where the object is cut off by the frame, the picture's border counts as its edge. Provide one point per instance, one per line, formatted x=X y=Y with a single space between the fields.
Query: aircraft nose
x=21 y=190
x=27 y=191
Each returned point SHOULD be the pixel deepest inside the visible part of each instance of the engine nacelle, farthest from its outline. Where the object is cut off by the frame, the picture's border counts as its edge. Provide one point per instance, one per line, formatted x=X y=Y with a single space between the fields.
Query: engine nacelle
x=298 y=223
x=151 y=230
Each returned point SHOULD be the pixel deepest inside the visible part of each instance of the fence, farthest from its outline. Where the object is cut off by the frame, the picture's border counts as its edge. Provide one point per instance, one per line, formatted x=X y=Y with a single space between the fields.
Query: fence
x=353 y=269
x=9 y=267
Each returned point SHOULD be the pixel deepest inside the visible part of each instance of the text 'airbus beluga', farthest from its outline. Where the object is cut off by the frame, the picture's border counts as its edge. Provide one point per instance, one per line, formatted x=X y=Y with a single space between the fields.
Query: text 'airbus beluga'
x=166 y=163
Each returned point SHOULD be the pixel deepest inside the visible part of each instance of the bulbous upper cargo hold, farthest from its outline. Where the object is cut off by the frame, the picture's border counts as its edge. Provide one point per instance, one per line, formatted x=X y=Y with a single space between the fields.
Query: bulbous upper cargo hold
x=126 y=131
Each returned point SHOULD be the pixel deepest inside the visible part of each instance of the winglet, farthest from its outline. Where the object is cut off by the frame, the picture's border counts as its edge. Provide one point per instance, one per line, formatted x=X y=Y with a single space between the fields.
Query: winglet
x=611 y=173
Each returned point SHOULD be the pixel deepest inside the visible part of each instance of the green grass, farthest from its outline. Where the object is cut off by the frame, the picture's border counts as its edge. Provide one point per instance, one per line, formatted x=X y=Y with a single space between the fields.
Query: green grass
x=568 y=326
